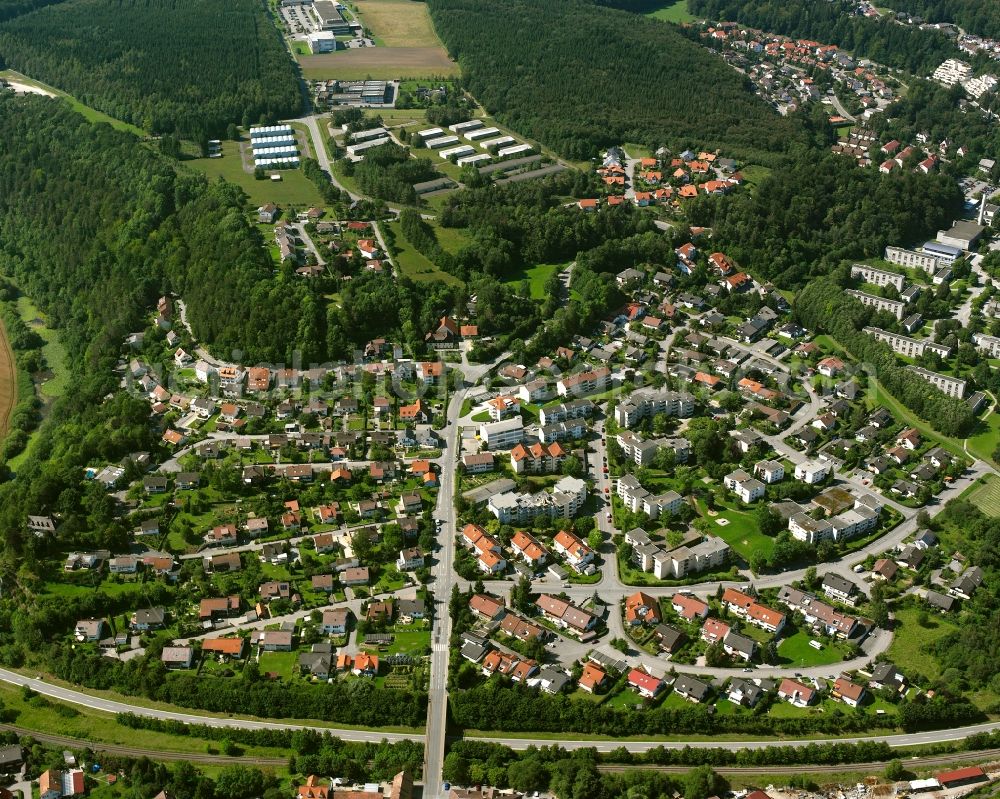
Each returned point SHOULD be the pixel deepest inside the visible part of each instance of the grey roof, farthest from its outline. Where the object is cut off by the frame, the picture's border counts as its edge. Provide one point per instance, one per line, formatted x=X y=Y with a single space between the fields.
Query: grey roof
x=835 y=582
x=689 y=686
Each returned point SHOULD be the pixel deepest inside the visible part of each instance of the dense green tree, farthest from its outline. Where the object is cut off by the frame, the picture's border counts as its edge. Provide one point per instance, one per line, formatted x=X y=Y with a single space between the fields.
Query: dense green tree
x=189 y=67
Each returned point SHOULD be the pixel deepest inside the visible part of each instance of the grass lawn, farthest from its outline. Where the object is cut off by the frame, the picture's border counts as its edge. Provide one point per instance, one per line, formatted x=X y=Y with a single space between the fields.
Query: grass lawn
x=294 y=188
x=411 y=642
x=415 y=265
x=91 y=114
x=634 y=149
x=57 y=362
x=911 y=642
x=741 y=533
x=676 y=12
x=626 y=699
x=41 y=714
x=795 y=651
x=985 y=438
x=282 y=663
x=986 y=495
x=537 y=276
x=77 y=590
x=754 y=174
x=451 y=239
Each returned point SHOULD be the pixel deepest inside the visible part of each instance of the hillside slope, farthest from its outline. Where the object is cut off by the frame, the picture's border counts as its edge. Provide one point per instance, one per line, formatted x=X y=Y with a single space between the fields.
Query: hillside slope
x=577 y=77
x=184 y=66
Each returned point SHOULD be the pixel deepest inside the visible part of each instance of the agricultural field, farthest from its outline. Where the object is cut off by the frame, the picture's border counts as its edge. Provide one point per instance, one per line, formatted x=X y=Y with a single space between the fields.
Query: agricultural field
x=398 y=23
x=986 y=496
x=406 y=46
x=379 y=63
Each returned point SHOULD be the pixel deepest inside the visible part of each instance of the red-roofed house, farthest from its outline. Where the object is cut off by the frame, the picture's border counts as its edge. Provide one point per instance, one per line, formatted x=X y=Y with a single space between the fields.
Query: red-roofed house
x=645 y=684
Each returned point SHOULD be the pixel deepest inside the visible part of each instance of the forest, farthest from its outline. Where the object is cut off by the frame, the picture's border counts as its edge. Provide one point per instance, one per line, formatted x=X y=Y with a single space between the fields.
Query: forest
x=14 y=8
x=556 y=73
x=188 y=67
x=975 y=16
x=881 y=40
x=804 y=220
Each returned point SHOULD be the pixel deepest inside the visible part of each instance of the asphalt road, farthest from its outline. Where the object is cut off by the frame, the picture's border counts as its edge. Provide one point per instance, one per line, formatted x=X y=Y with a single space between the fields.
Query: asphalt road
x=110 y=706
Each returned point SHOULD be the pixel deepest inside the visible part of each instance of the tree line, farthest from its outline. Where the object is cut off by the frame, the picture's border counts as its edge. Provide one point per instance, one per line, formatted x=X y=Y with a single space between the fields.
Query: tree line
x=189 y=67
x=352 y=702
x=647 y=83
x=310 y=752
x=823 y=306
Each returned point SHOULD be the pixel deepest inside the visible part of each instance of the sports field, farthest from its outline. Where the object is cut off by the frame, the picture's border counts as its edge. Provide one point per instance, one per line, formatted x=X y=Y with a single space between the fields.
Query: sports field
x=379 y=63
x=986 y=497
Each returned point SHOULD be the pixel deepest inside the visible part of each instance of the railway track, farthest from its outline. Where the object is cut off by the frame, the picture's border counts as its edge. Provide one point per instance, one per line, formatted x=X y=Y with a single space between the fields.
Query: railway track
x=746 y=771
x=833 y=768
x=152 y=754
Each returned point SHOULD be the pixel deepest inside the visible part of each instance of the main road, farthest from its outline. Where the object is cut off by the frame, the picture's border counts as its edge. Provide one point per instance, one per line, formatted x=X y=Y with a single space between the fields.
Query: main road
x=75 y=697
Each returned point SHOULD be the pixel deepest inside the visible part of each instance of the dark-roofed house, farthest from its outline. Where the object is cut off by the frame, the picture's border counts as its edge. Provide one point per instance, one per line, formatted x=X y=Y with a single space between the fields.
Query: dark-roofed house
x=691 y=689
x=11 y=758
x=837 y=587
x=886 y=675
x=965 y=586
x=743 y=692
x=669 y=639
x=941 y=602
x=148 y=619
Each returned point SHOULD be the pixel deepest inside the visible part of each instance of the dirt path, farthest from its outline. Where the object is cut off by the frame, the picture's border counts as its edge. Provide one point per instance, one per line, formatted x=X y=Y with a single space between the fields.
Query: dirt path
x=8 y=382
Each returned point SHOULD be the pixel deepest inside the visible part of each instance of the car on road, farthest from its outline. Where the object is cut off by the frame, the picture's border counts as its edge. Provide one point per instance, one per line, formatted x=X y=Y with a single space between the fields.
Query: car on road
x=607 y=490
